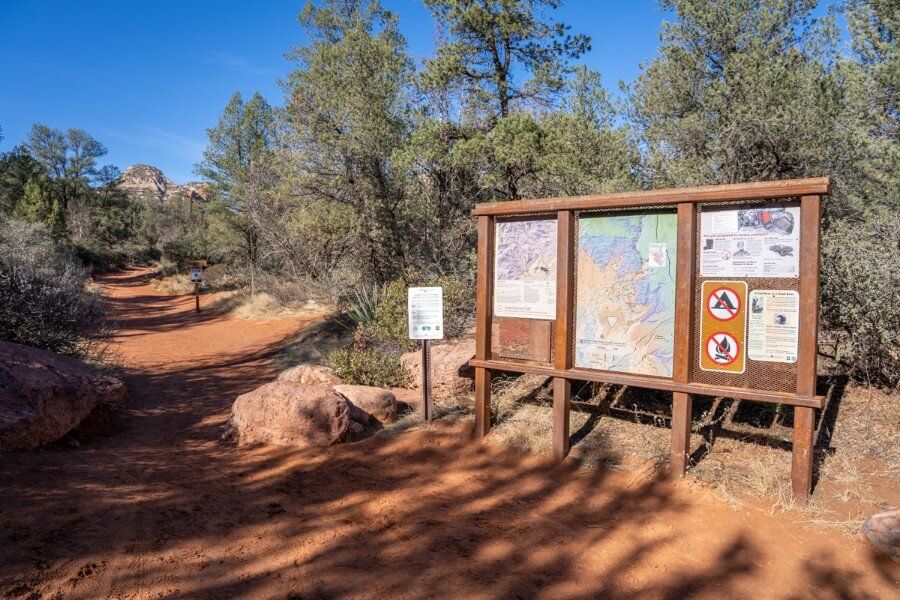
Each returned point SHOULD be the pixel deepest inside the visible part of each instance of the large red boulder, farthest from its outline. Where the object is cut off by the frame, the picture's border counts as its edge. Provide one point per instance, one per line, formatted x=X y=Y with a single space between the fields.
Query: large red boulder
x=44 y=396
x=450 y=371
x=284 y=413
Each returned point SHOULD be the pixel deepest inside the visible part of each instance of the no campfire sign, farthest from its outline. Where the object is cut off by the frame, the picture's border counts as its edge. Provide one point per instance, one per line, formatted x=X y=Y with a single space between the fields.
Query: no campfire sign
x=723 y=326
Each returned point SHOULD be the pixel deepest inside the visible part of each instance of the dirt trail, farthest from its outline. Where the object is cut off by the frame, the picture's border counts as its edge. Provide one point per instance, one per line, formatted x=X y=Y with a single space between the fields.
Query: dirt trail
x=161 y=508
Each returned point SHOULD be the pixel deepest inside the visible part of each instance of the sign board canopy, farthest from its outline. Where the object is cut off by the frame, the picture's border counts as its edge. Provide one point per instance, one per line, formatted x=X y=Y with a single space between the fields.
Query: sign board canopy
x=707 y=290
x=426 y=313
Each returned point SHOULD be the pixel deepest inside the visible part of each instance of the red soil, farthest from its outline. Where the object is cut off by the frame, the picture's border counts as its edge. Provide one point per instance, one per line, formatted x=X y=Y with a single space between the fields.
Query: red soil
x=161 y=508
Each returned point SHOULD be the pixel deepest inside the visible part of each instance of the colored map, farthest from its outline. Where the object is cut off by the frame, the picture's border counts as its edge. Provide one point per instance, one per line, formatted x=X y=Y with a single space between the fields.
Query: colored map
x=525 y=269
x=625 y=293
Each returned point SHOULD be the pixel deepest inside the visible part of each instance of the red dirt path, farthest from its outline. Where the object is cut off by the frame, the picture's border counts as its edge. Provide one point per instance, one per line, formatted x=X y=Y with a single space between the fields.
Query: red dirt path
x=161 y=508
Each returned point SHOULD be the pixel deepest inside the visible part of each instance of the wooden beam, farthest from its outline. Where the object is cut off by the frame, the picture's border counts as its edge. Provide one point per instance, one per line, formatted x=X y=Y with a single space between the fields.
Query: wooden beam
x=484 y=299
x=765 y=190
x=685 y=259
x=562 y=360
x=668 y=385
x=807 y=347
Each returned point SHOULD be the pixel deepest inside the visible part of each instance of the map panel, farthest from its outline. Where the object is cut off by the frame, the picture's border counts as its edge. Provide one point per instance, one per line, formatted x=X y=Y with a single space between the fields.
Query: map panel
x=625 y=293
x=525 y=269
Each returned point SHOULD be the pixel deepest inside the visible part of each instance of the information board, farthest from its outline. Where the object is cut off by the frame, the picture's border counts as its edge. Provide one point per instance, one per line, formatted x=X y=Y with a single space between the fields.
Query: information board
x=625 y=293
x=525 y=269
x=425 y=306
x=750 y=242
x=196 y=274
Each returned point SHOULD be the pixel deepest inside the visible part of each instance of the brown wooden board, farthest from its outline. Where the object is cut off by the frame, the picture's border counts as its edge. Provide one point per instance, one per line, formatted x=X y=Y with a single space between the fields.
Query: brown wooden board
x=546 y=347
x=524 y=339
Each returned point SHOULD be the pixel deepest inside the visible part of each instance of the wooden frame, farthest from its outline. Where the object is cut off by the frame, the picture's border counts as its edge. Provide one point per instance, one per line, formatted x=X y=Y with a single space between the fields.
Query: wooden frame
x=804 y=398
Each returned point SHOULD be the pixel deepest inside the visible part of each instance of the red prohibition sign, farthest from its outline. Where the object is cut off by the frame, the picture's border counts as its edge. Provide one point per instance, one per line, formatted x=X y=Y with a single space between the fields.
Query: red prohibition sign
x=713 y=344
x=723 y=296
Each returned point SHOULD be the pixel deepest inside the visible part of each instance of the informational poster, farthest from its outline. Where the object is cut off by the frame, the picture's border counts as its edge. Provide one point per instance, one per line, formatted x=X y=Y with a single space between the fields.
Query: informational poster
x=625 y=293
x=525 y=269
x=425 y=306
x=723 y=326
x=750 y=242
x=196 y=274
x=774 y=322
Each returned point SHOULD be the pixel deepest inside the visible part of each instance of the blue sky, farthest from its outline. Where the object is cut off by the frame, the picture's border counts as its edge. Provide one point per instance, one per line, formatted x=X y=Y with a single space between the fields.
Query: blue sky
x=148 y=78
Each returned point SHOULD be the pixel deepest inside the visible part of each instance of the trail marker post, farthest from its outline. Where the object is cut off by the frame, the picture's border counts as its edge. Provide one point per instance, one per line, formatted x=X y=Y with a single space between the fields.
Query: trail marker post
x=425 y=306
x=196 y=277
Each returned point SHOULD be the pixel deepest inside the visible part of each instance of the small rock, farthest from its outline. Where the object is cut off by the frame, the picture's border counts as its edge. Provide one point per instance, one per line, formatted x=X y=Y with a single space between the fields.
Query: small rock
x=378 y=402
x=310 y=375
x=882 y=531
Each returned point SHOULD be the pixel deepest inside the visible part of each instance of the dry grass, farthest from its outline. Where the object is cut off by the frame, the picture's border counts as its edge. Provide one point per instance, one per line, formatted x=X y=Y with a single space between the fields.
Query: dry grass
x=265 y=307
x=173 y=285
x=855 y=476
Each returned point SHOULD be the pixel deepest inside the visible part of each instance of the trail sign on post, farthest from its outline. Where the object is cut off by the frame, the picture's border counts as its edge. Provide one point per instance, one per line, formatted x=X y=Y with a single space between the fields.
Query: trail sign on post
x=196 y=277
x=425 y=306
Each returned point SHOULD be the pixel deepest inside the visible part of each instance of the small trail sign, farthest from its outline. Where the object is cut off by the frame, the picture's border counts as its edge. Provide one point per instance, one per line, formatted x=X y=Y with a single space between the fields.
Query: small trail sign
x=723 y=326
x=426 y=313
x=425 y=306
x=196 y=274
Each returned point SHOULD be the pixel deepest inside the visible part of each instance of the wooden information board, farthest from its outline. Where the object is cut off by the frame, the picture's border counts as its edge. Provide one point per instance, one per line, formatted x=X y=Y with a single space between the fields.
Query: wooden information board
x=707 y=290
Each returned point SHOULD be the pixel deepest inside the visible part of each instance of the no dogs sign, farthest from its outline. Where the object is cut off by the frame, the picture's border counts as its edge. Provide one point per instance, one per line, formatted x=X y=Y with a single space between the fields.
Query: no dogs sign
x=723 y=326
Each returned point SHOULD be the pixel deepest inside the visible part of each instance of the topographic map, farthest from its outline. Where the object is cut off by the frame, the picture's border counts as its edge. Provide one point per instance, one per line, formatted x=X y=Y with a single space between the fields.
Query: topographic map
x=525 y=270
x=625 y=296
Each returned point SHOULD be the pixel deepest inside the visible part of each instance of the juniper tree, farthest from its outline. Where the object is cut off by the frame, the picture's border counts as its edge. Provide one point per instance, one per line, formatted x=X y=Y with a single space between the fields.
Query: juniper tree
x=243 y=137
x=347 y=113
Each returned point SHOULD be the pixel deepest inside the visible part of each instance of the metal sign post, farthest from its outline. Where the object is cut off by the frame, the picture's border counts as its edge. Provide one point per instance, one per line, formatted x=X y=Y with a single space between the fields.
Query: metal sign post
x=196 y=273
x=426 y=322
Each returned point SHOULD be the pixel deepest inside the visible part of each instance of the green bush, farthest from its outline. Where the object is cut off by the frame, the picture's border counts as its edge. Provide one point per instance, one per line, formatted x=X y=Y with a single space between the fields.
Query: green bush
x=367 y=366
x=390 y=323
x=43 y=299
x=860 y=282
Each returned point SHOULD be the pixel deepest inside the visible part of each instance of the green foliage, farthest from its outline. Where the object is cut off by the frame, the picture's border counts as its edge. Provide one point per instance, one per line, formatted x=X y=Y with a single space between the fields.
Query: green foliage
x=367 y=367
x=43 y=300
x=389 y=326
x=347 y=113
x=493 y=40
x=860 y=298
x=365 y=304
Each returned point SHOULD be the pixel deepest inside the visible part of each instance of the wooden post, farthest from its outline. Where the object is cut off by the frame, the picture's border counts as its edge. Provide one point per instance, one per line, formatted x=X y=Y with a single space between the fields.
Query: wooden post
x=562 y=359
x=197 y=296
x=807 y=348
x=684 y=330
x=483 y=311
x=426 y=381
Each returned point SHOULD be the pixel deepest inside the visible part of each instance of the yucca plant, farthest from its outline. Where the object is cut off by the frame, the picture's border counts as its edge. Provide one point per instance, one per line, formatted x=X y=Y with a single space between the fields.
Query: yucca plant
x=365 y=302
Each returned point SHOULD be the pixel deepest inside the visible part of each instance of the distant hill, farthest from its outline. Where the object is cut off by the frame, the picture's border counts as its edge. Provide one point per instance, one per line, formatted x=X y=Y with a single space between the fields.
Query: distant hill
x=149 y=183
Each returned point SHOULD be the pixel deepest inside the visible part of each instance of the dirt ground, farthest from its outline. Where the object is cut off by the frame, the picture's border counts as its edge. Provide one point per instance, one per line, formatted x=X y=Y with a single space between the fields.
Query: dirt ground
x=160 y=508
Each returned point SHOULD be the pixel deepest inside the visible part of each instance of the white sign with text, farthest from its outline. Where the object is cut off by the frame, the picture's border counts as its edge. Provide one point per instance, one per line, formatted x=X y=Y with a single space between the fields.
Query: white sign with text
x=426 y=313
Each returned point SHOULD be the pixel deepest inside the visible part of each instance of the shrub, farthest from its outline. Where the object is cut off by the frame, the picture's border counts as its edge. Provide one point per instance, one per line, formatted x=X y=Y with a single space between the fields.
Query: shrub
x=860 y=313
x=367 y=366
x=389 y=322
x=43 y=299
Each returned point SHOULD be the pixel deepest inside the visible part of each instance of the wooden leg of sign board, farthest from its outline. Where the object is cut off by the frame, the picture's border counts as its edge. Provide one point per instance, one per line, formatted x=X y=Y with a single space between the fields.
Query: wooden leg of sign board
x=562 y=399
x=482 y=402
x=197 y=296
x=681 y=433
x=426 y=381
x=802 y=458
